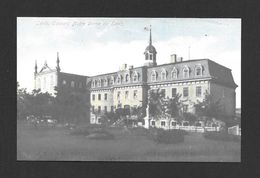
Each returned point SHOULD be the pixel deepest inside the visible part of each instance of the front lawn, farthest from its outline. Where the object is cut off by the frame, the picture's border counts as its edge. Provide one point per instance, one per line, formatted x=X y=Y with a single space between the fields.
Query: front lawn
x=60 y=144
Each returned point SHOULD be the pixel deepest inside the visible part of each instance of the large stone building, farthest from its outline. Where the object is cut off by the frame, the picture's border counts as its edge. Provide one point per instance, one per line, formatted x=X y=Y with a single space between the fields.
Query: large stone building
x=48 y=78
x=129 y=86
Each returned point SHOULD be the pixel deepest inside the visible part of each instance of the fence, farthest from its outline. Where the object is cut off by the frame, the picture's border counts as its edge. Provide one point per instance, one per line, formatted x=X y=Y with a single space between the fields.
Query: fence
x=235 y=130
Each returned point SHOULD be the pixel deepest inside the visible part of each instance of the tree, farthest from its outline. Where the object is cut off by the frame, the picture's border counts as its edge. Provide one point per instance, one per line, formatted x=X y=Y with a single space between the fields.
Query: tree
x=70 y=106
x=22 y=102
x=173 y=107
x=208 y=107
x=155 y=102
x=159 y=106
x=40 y=104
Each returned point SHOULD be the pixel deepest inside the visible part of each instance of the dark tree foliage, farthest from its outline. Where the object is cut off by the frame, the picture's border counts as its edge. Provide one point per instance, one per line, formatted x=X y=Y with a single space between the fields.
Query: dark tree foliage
x=71 y=107
x=155 y=101
x=37 y=104
x=208 y=107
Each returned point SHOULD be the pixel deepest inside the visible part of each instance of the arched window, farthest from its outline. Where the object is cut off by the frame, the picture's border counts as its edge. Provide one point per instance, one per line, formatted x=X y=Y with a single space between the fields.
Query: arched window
x=39 y=83
x=44 y=83
x=163 y=74
x=112 y=80
x=105 y=82
x=186 y=72
x=135 y=77
x=51 y=81
x=80 y=84
x=154 y=76
x=198 y=70
x=93 y=83
x=146 y=56
x=99 y=83
x=72 y=84
x=118 y=80
x=64 y=82
x=174 y=73
x=127 y=78
x=151 y=56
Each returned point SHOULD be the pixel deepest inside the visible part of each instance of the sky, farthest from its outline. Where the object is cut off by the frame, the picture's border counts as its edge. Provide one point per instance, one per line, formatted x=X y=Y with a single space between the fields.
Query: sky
x=92 y=46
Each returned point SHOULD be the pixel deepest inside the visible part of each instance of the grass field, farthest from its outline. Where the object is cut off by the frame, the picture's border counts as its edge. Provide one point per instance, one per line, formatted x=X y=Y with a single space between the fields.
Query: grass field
x=58 y=144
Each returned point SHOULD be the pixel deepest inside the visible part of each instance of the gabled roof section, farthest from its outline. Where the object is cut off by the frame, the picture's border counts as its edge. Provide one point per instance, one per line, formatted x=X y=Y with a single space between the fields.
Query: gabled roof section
x=46 y=68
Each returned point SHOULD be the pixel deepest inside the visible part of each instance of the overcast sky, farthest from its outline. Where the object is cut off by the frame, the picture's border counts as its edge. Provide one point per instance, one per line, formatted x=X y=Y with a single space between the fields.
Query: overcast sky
x=91 y=46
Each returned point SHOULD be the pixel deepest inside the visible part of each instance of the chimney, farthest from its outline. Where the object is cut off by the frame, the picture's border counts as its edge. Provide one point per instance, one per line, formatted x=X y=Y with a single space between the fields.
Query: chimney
x=179 y=59
x=173 y=58
x=131 y=67
x=123 y=67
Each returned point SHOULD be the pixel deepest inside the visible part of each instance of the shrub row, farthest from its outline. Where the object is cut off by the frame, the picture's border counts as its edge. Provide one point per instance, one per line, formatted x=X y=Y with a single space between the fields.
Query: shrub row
x=167 y=136
x=223 y=136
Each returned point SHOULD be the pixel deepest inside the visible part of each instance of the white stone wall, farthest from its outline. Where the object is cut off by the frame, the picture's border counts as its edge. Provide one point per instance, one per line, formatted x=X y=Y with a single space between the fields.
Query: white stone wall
x=192 y=98
x=102 y=102
x=130 y=100
x=49 y=84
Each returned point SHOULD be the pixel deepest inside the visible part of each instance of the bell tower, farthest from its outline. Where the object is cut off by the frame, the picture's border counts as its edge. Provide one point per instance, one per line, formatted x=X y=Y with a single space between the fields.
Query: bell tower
x=150 y=52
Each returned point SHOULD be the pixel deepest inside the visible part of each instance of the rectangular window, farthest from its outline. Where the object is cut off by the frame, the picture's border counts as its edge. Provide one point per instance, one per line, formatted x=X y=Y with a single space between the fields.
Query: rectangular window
x=99 y=96
x=112 y=108
x=105 y=97
x=93 y=97
x=126 y=94
x=153 y=123
x=105 y=108
x=162 y=123
x=163 y=92
x=135 y=94
x=99 y=109
x=174 y=92
x=93 y=109
x=185 y=92
x=198 y=91
x=118 y=95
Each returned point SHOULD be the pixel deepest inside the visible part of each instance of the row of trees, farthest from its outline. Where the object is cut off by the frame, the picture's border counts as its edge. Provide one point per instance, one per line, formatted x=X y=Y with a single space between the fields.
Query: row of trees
x=67 y=106
x=165 y=107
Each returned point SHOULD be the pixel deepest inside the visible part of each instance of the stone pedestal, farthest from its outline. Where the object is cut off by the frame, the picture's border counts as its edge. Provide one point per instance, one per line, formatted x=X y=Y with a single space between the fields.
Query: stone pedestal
x=147 y=119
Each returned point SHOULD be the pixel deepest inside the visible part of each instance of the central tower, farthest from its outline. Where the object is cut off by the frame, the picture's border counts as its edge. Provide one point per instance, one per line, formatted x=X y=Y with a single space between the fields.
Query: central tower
x=150 y=52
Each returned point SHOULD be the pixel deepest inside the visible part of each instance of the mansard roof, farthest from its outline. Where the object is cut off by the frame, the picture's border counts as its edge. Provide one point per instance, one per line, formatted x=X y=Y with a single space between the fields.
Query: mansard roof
x=218 y=73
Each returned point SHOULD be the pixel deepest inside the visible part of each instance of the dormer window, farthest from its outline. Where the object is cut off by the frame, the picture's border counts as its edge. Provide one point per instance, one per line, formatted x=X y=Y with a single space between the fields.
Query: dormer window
x=99 y=83
x=135 y=77
x=93 y=83
x=72 y=84
x=105 y=82
x=112 y=80
x=198 y=70
x=154 y=76
x=174 y=73
x=127 y=78
x=186 y=72
x=119 y=78
x=163 y=74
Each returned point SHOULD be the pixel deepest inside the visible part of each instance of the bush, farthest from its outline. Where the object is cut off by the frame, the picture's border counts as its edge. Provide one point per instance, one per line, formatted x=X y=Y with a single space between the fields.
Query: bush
x=139 y=131
x=80 y=131
x=169 y=136
x=101 y=135
x=85 y=130
x=223 y=136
